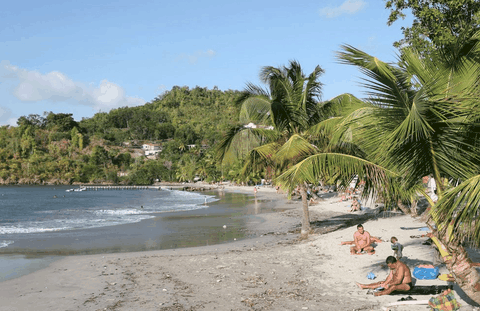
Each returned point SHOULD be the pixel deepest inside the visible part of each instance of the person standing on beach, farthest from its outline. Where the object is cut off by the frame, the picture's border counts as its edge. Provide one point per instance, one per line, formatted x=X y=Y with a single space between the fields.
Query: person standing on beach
x=399 y=279
x=362 y=242
x=396 y=247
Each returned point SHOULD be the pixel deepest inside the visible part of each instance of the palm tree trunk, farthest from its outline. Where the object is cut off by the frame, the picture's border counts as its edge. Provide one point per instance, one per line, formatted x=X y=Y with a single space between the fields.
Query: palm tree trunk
x=413 y=208
x=402 y=207
x=306 y=214
x=465 y=274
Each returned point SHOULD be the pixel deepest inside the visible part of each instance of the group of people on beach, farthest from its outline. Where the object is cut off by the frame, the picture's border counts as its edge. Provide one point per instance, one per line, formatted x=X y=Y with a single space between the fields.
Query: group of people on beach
x=400 y=277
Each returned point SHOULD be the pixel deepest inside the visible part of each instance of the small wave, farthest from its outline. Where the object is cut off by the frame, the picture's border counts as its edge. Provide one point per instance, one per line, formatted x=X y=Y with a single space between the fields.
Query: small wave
x=5 y=243
x=118 y=212
x=12 y=230
x=69 y=224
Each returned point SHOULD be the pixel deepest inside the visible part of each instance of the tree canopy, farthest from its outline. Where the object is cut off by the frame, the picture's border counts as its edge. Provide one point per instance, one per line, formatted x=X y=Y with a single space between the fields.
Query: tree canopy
x=436 y=24
x=56 y=148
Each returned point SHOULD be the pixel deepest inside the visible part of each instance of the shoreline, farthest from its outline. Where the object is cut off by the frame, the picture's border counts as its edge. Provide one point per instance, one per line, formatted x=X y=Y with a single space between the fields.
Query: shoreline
x=24 y=259
x=251 y=210
x=275 y=271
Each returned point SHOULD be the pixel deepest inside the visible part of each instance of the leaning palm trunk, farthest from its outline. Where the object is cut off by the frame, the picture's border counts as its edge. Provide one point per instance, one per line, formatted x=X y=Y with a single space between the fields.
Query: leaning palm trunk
x=402 y=207
x=455 y=214
x=460 y=266
x=413 y=208
x=306 y=214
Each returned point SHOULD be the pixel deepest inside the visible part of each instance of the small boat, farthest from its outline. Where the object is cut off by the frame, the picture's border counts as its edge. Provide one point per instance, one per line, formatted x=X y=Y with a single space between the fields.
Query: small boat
x=69 y=190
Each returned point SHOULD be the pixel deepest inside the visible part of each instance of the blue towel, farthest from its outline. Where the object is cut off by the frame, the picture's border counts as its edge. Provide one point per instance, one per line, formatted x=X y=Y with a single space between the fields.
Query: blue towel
x=426 y=273
x=424 y=229
x=371 y=276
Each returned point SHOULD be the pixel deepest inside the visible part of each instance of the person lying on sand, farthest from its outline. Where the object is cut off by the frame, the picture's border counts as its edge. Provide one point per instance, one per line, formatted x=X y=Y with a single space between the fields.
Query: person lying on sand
x=399 y=279
x=362 y=241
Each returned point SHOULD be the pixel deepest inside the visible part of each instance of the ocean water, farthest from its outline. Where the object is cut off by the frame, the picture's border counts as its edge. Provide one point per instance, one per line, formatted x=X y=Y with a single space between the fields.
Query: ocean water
x=29 y=210
x=41 y=224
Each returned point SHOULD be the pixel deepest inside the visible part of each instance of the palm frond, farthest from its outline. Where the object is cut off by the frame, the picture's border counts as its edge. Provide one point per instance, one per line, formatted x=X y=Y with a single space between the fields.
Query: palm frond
x=241 y=139
x=460 y=207
x=295 y=149
x=388 y=86
x=255 y=109
x=316 y=167
x=340 y=105
x=259 y=158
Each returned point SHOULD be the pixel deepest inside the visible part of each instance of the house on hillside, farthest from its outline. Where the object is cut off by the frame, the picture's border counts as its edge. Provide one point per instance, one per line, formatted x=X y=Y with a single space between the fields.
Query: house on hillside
x=254 y=126
x=151 y=149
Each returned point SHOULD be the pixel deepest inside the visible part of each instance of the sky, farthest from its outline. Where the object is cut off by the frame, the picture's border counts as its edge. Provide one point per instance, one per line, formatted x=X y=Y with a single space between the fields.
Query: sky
x=84 y=57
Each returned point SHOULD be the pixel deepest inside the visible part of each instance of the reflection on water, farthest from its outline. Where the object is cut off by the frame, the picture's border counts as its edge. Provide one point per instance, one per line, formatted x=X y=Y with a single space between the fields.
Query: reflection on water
x=14 y=266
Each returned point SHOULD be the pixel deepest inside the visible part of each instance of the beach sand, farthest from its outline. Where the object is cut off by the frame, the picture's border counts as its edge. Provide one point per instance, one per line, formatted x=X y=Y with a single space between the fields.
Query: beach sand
x=275 y=271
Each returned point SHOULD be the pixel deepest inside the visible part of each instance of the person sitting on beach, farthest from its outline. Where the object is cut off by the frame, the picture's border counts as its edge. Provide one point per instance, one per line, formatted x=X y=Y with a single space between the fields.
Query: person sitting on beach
x=399 y=279
x=363 y=242
x=355 y=205
x=374 y=239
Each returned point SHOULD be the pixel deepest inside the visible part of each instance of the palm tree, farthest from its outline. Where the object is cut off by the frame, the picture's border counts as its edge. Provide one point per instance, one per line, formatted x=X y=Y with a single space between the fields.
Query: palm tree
x=279 y=125
x=288 y=108
x=422 y=119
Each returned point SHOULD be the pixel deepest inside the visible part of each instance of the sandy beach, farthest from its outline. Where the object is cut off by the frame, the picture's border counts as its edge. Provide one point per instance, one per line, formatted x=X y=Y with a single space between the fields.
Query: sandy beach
x=275 y=271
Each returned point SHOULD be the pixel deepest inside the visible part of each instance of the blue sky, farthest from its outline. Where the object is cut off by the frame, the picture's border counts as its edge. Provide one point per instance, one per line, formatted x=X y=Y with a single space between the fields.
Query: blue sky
x=83 y=57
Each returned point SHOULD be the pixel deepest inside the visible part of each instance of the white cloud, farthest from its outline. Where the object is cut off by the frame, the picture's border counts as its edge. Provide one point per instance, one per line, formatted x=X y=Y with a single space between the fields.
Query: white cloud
x=33 y=86
x=348 y=7
x=11 y=121
x=193 y=58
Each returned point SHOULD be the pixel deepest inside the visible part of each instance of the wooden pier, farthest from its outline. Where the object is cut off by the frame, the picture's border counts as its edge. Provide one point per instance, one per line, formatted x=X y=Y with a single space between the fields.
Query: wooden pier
x=96 y=188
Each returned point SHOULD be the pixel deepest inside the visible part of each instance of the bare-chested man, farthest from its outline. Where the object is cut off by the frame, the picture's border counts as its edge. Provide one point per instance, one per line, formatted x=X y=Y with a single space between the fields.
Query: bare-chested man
x=362 y=241
x=399 y=279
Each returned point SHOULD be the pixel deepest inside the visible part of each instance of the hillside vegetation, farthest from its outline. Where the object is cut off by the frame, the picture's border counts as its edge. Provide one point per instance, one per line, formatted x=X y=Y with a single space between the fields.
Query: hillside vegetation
x=185 y=123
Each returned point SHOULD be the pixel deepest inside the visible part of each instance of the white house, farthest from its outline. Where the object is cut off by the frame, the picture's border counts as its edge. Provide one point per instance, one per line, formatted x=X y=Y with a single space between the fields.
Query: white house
x=151 y=149
x=254 y=126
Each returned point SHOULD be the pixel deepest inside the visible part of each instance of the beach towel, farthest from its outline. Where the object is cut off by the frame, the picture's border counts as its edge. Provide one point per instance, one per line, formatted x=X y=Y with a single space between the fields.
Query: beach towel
x=424 y=290
x=444 y=302
x=446 y=277
x=371 y=276
x=426 y=273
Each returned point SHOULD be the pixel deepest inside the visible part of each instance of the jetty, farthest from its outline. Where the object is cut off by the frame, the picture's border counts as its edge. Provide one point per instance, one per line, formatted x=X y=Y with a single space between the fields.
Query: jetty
x=96 y=188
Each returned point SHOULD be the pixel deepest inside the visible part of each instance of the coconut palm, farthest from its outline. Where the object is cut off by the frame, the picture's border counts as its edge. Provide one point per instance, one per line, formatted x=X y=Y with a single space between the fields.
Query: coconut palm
x=275 y=123
x=422 y=119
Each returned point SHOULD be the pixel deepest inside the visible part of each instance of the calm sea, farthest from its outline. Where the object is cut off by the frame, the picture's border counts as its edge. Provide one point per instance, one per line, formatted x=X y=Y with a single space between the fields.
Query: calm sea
x=40 y=223
x=27 y=210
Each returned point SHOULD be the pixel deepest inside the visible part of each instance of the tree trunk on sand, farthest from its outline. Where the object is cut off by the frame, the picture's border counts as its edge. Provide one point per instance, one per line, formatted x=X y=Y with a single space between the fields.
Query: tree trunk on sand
x=462 y=269
x=306 y=214
x=402 y=207
x=413 y=208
